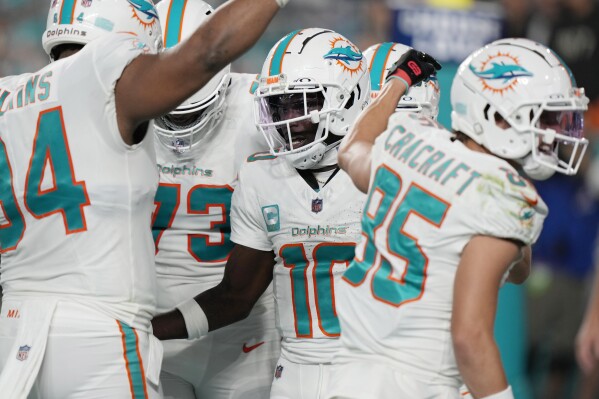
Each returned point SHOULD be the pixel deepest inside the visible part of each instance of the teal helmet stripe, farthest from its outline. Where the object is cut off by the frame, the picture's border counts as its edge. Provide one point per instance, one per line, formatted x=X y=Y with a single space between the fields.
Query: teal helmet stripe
x=174 y=23
x=67 y=11
x=377 y=68
x=277 y=58
x=572 y=78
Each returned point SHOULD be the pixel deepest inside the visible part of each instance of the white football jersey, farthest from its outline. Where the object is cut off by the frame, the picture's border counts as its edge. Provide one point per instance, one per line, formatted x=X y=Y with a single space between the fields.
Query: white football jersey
x=428 y=197
x=76 y=201
x=191 y=223
x=313 y=235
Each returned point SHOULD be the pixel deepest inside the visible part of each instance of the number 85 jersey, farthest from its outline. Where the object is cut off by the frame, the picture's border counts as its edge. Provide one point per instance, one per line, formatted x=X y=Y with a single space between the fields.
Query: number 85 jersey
x=313 y=235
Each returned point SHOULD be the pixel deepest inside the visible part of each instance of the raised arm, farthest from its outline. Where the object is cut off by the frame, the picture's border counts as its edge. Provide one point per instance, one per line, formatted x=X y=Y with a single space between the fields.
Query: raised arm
x=355 y=151
x=153 y=85
x=247 y=275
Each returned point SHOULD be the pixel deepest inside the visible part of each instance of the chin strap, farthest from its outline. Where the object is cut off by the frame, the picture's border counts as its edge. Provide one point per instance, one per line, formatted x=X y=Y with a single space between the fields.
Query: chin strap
x=330 y=156
x=537 y=170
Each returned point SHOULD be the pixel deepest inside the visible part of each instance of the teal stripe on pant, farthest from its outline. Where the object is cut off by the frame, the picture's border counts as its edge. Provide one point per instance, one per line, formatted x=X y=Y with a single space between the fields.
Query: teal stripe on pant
x=134 y=363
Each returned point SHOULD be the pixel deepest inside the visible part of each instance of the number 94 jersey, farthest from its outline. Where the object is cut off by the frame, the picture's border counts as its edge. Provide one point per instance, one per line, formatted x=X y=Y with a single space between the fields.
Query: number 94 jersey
x=75 y=200
x=313 y=235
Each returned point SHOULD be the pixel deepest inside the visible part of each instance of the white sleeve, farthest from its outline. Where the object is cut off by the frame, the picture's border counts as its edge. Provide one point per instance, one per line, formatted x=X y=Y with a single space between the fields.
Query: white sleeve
x=507 y=208
x=112 y=54
x=107 y=58
x=248 y=224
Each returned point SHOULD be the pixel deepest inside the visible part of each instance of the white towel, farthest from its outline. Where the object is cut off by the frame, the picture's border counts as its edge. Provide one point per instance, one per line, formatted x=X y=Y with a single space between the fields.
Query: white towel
x=24 y=361
x=154 y=363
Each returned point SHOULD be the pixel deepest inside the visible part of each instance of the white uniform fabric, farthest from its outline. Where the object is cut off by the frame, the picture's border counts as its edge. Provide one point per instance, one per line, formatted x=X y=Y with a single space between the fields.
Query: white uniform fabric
x=313 y=235
x=434 y=195
x=76 y=209
x=191 y=228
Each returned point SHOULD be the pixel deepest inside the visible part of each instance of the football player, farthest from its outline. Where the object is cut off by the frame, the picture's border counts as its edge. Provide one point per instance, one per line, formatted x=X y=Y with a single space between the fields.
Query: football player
x=449 y=220
x=295 y=215
x=78 y=176
x=199 y=148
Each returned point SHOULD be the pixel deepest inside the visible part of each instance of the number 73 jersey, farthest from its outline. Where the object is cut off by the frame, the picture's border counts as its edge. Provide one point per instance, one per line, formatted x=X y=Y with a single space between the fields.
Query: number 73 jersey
x=191 y=224
x=313 y=235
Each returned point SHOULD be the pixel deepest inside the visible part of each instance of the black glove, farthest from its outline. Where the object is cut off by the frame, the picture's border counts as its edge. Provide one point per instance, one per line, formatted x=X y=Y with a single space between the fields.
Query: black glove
x=413 y=67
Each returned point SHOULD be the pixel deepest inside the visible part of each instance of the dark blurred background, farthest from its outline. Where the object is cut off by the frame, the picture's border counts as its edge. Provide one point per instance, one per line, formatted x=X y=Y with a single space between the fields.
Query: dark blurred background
x=537 y=322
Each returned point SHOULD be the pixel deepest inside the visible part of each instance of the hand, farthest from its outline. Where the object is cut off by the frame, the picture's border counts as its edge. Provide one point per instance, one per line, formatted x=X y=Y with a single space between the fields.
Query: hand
x=587 y=345
x=413 y=67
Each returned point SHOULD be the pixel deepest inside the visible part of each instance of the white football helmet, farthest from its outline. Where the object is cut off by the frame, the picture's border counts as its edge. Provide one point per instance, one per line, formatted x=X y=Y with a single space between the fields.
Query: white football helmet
x=528 y=86
x=81 y=21
x=200 y=114
x=421 y=98
x=313 y=85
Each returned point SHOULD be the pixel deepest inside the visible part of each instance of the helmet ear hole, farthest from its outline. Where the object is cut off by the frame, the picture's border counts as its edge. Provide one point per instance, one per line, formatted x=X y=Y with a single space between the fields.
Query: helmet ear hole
x=500 y=121
x=351 y=100
x=486 y=111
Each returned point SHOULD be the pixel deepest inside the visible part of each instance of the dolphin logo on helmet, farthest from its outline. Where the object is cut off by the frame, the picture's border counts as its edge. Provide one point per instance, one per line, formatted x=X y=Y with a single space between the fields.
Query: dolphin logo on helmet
x=344 y=54
x=145 y=7
x=501 y=71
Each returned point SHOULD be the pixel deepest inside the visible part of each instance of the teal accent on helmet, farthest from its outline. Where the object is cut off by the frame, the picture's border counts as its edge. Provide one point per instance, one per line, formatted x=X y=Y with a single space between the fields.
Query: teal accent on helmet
x=66 y=13
x=175 y=23
x=277 y=58
x=377 y=68
x=344 y=54
x=501 y=71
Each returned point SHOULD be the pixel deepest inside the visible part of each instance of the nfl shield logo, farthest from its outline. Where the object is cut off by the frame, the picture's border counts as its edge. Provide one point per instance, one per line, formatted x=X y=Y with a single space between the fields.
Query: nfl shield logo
x=86 y=3
x=23 y=352
x=278 y=371
x=316 y=205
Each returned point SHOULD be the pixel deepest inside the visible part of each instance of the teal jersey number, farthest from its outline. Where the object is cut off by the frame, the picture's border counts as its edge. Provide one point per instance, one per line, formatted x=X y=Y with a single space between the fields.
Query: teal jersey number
x=67 y=196
x=212 y=201
x=12 y=231
x=202 y=201
x=385 y=189
x=167 y=199
x=417 y=202
x=325 y=256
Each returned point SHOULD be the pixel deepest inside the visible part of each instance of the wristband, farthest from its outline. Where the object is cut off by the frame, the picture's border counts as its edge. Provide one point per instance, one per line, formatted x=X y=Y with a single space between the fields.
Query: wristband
x=402 y=80
x=505 y=394
x=196 y=322
x=282 y=3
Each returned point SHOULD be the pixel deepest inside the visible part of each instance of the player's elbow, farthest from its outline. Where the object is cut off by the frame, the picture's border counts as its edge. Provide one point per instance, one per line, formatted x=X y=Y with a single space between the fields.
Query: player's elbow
x=343 y=158
x=214 y=60
x=358 y=168
x=467 y=341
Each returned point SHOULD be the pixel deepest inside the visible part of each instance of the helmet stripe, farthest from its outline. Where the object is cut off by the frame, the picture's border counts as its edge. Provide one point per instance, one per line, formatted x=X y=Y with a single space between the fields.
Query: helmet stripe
x=276 y=63
x=377 y=68
x=572 y=78
x=174 y=23
x=67 y=12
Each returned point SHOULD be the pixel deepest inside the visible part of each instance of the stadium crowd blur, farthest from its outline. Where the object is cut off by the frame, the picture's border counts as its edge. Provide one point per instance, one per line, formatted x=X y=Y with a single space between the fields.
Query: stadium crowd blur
x=564 y=256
